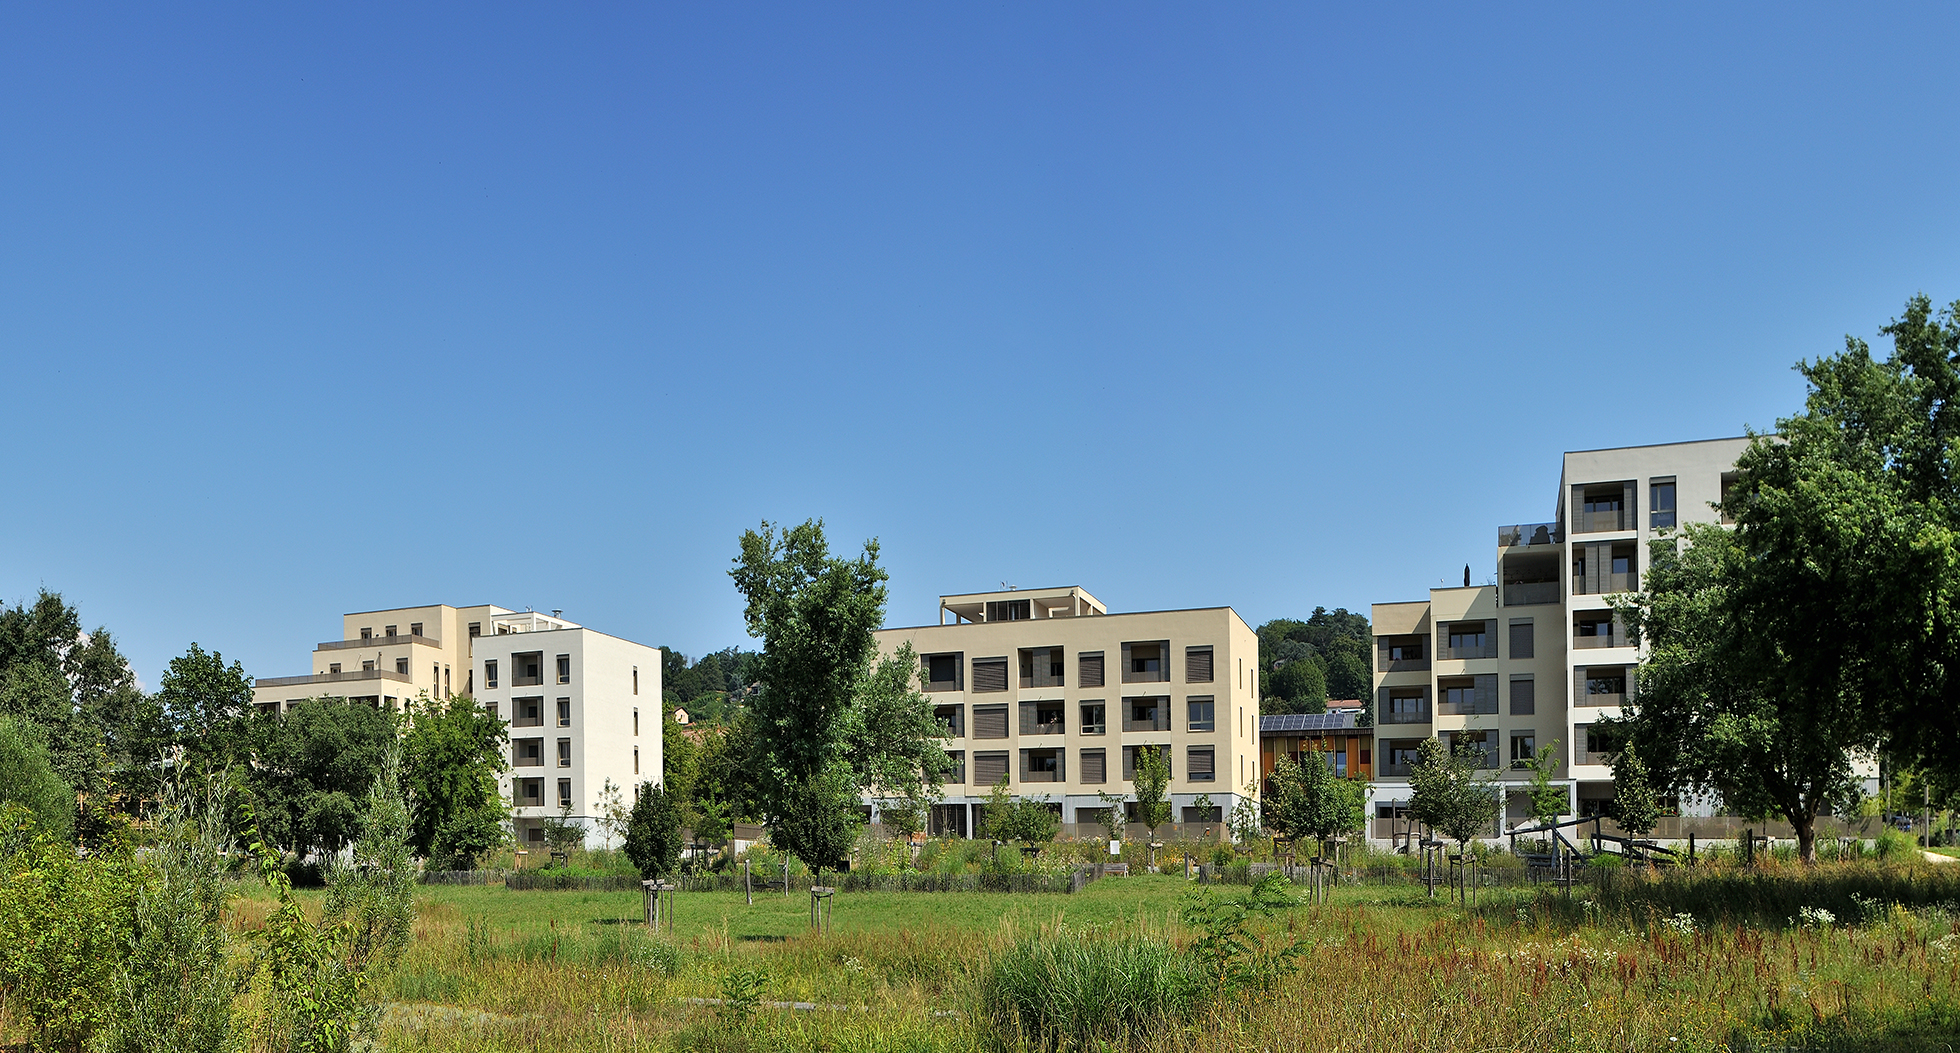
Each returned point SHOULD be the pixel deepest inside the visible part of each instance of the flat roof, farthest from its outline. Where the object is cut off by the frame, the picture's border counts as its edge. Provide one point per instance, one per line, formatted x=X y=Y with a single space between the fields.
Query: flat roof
x=1098 y=618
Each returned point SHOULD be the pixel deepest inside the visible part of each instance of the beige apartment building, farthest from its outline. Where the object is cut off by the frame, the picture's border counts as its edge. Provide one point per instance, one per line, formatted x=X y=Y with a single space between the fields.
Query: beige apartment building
x=1049 y=690
x=583 y=707
x=1536 y=655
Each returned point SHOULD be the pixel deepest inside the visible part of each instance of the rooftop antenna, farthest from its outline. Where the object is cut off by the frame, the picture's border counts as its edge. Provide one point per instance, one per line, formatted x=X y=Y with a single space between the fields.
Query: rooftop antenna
x=1005 y=587
x=555 y=612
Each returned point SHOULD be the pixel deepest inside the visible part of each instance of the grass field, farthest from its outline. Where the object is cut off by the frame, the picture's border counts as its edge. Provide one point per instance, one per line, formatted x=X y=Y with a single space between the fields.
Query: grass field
x=1376 y=969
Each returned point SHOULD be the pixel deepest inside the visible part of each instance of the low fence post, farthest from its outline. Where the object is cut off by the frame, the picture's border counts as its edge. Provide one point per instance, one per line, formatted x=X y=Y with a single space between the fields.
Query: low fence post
x=748 y=888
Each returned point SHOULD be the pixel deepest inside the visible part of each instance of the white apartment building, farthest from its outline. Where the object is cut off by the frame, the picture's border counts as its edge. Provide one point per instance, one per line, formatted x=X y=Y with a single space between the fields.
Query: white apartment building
x=1048 y=689
x=583 y=707
x=1538 y=656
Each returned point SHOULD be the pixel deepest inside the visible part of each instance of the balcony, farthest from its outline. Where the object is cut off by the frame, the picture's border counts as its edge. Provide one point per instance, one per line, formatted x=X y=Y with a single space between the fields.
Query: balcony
x=1395 y=771
x=1608 y=583
x=1411 y=716
x=1528 y=535
x=1592 y=757
x=378 y=641
x=332 y=678
x=1591 y=699
x=1530 y=593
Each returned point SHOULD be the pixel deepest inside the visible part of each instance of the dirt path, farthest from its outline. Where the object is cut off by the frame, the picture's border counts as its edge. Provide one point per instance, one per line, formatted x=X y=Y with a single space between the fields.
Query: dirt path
x=1935 y=857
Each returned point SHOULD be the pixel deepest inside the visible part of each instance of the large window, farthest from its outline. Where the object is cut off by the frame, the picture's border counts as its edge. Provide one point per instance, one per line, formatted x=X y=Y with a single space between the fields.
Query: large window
x=1200 y=764
x=1662 y=504
x=1524 y=747
x=942 y=671
x=1094 y=720
x=1201 y=714
x=527 y=669
x=564 y=669
x=1466 y=635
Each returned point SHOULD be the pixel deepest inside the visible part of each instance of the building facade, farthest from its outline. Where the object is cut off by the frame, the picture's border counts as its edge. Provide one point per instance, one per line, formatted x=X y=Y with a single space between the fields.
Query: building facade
x=1536 y=657
x=583 y=707
x=1047 y=689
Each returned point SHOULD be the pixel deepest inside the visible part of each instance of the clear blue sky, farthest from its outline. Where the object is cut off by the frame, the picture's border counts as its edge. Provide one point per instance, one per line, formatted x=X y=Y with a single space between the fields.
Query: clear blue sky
x=310 y=310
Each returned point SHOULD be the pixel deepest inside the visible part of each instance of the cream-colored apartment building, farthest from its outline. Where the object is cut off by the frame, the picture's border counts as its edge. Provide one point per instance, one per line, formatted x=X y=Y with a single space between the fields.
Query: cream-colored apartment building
x=1048 y=689
x=1537 y=656
x=583 y=707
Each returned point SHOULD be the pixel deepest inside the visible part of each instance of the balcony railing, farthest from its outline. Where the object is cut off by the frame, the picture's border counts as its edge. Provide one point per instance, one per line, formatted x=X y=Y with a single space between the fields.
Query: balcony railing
x=1600 y=522
x=1488 y=650
x=1524 y=535
x=1618 y=638
x=1400 y=665
x=332 y=678
x=1040 y=776
x=1465 y=709
x=1530 y=593
x=1628 y=582
x=1043 y=727
x=1591 y=757
x=1420 y=716
x=1395 y=771
x=1587 y=698
x=378 y=641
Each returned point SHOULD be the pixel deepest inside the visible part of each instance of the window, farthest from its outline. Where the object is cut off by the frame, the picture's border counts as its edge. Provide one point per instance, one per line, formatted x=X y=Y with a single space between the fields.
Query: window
x=1406 y=705
x=493 y=709
x=989 y=767
x=636 y=679
x=1523 y=638
x=1199 y=764
x=989 y=674
x=1524 y=695
x=1596 y=629
x=1524 y=747
x=564 y=793
x=1201 y=714
x=1467 y=636
x=1043 y=718
x=1409 y=649
x=390 y=630
x=1459 y=694
x=958 y=774
x=334 y=668
x=1093 y=721
x=367 y=634
x=952 y=720
x=564 y=669
x=1144 y=663
x=943 y=671
x=1130 y=759
x=401 y=666
x=636 y=757
x=1008 y=610
x=469 y=681
x=564 y=712
x=564 y=753
x=1044 y=765
x=528 y=793
x=476 y=629
x=1095 y=766
x=527 y=753
x=1089 y=670
x=1660 y=504
x=367 y=666
x=535 y=834
x=990 y=722
x=1606 y=681
x=1478 y=741
x=1214 y=814
x=490 y=674
x=445 y=680
x=414 y=628
x=1599 y=742
x=527 y=669
x=636 y=720
x=1146 y=714
x=1197 y=665
x=1041 y=667
x=527 y=712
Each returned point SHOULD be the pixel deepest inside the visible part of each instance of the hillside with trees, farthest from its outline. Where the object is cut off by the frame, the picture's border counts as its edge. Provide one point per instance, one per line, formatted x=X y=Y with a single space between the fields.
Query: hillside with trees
x=1302 y=664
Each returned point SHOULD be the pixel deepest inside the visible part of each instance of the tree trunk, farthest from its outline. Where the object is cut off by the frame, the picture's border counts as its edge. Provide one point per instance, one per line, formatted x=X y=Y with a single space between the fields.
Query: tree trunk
x=1806 y=826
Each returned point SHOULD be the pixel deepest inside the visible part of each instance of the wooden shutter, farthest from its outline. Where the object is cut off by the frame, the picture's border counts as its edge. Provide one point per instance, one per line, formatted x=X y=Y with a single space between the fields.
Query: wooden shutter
x=1200 y=763
x=1485 y=694
x=1197 y=665
x=1629 y=492
x=1061 y=765
x=1092 y=670
x=990 y=722
x=1129 y=763
x=990 y=674
x=1579 y=686
x=1576 y=511
x=1024 y=765
x=1381 y=705
x=1633 y=677
x=1490 y=638
x=1523 y=638
x=1095 y=766
x=1524 y=698
x=989 y=767
x=1027 y=719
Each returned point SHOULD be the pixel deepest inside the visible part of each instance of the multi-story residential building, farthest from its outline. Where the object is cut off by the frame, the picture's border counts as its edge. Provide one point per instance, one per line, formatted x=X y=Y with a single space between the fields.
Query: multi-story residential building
x=1048 y=690
x=1537 y=656
x=583 y=707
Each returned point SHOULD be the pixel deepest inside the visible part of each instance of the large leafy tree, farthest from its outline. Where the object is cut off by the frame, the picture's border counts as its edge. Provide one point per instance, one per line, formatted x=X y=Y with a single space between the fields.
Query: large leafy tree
x=1448 y=793
x=653 y=832
x=76 y=688
x=311 y=769
x=1341 y=647
x=451 y=756
x=830 y=721
x=1825 y=622
x=28 y=778
x=210 y=704
x=1307 y=800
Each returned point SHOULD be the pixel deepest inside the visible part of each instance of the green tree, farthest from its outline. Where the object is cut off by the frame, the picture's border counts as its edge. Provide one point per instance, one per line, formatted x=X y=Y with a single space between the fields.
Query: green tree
x=1151 y=787
x=892 y=736
x=1299 y=686
x=1549 y=801
x=1634 y=806
x=1010 y=819
x=1448 y=793
x=614 y=815
x=311 y=769
x=451 y=757
x=1307 y=800
x=64 y=926
x=653 y=832
x=210 y=704
x=102 y=733
x=28 y=778
x=811 y=749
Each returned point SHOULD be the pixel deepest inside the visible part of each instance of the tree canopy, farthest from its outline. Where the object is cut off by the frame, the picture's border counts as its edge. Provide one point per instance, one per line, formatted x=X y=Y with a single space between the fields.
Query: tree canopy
x=451 y=757
x=1339 y=646
x=1447 y=792
x=653 y=832
x=311 y=770
x=1307 y=800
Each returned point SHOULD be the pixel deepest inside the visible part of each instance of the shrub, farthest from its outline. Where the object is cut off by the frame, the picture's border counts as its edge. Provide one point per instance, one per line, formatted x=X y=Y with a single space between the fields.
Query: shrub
x=1059 y=991
x=1896 y=844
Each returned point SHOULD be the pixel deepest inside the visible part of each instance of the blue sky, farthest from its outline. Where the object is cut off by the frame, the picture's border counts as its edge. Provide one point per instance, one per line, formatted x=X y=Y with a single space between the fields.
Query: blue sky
x=310 y=310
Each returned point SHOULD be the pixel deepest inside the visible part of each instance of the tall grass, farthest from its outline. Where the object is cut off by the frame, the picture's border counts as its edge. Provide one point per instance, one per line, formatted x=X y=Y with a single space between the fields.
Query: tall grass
x=1773 y=895
x=1060 y=991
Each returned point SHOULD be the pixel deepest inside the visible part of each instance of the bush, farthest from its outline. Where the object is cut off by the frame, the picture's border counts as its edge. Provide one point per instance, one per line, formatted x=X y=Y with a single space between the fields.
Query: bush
x=1058 y=991
x=1896 y=845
